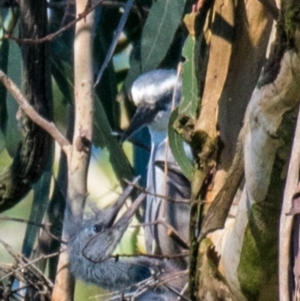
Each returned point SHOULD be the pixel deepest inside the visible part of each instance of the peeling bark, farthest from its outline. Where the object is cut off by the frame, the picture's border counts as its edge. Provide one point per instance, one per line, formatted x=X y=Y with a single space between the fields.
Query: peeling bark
x=249 y=251
x=247 y=247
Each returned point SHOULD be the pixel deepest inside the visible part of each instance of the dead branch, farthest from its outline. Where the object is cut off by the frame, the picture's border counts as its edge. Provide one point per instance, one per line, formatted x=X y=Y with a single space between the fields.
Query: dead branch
x=144 y=190
x=49 y=127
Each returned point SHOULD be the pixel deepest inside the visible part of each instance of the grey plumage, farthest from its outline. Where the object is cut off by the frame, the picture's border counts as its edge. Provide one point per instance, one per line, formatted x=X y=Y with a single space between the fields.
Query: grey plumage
x=92 y=242
x=155 y=93
x=152 y=93
x=175 y=186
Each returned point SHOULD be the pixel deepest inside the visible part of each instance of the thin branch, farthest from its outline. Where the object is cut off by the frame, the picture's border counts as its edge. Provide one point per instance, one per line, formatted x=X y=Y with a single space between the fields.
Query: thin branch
x=106 y=3
x=49 y=127
x=51 y=36
x=144 y=190
x=171 y=232
x=154 y=256
x=31 y=264
x=24 y=262
x=180 y=296
x=140 y=288
x=81 y=16
x=43 y=226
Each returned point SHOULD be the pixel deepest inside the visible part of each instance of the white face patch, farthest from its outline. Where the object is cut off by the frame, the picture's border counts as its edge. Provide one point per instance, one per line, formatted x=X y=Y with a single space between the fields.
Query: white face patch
x=152 y=86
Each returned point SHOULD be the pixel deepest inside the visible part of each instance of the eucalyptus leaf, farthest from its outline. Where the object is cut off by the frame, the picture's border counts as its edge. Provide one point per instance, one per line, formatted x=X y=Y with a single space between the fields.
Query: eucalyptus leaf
x=177 y=148
x=159 y=31
x=106 y=90
x=2 y=144
x=62 y=74
x=8 y=20
x=39 y=205
x=4 y=50
x=13 y=134
x=190 y=94
x=102 y=137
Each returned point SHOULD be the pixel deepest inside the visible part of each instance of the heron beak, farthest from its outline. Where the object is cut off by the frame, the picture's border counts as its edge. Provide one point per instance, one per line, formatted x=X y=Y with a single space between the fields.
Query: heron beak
x=112 y=212
x=127 y=216
x=111 y=236
x=118 y=229
x=145 y=114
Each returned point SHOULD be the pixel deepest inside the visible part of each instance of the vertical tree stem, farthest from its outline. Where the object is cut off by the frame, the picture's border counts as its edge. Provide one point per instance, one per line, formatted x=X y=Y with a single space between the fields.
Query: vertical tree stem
x=78 y=159
x=83 y=95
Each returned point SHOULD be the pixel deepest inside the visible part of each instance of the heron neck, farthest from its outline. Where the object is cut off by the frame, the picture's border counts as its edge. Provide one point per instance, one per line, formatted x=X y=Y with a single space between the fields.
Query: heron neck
x=157 y=136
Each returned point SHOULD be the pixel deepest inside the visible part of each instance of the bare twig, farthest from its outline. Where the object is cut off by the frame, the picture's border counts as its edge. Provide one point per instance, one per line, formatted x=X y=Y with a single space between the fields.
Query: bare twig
x=172 y=233
x=43 y=226
x=144 y=190
x=24 y=263
x=143 y=286
x=32 y=113
x=28 y=264
x=154 y=256
x=50 y=37
x=106 y=3
x=81 y=16
x=180 y=296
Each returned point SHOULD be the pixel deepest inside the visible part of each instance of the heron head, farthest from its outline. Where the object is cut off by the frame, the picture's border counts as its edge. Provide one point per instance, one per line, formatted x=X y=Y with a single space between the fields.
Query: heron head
x=152 y=93
x=96 y=237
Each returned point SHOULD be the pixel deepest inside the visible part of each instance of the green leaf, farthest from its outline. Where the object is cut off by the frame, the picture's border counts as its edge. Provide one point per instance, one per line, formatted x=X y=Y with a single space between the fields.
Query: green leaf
x=39 y=205
x=13 y=134
x=62 y=74
x=8 y=20
x=103 y=136
x=190 y=94
x=106 y=90
x=176 y=145
x=3 y=66
x=162 y=23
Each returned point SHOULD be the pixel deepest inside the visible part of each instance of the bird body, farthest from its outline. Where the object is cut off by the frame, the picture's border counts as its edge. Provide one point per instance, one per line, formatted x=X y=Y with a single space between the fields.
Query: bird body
x=92 y=241
x=175 y=187
x=90 y=259
x=155 y=94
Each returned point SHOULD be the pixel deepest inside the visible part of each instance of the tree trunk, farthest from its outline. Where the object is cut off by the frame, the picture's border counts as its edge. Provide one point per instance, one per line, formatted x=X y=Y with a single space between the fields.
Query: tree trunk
x=240 y=261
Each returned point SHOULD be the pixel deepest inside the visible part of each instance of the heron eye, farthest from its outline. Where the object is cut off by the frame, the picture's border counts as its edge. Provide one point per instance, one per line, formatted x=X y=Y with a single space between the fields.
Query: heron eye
x=97 y=228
